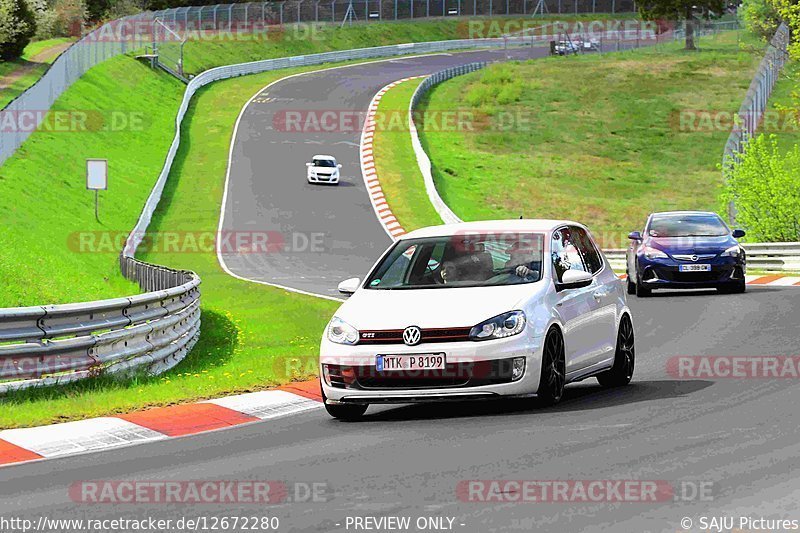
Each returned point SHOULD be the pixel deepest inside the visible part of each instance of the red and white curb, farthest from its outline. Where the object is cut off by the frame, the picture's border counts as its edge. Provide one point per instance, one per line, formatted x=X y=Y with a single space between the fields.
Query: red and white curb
x=766 y=280
x=97 y=434
x=368 y=171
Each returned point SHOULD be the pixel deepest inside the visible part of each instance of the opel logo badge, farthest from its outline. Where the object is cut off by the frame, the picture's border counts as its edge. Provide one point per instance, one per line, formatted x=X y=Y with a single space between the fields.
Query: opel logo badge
x=412 y=335
x=694 y=258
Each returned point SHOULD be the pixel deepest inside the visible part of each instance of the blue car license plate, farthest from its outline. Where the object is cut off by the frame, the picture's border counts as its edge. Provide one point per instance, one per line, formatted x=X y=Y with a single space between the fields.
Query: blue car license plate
x=694 y=268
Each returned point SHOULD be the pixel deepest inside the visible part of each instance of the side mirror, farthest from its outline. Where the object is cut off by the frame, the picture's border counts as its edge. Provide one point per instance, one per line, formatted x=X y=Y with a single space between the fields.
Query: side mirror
x=574 y=279
x=308 y=164
x=339 y=165
x=635 y=236
x=738 y=233
x=349 y=286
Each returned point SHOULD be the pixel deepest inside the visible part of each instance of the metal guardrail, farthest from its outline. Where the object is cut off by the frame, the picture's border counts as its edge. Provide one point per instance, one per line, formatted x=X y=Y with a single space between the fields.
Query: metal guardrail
x=755 y=101
x=773 y=256
x=150 y=332
x=423 y=161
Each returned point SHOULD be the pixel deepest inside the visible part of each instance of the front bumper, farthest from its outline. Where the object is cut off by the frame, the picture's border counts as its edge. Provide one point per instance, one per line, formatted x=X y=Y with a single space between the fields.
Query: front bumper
x=475 y=370
x=665 y=273
x=321 y=178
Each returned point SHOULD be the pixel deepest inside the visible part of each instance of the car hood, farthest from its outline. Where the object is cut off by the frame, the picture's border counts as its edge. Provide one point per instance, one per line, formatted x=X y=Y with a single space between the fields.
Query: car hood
x=691 y=245
x=373 y=309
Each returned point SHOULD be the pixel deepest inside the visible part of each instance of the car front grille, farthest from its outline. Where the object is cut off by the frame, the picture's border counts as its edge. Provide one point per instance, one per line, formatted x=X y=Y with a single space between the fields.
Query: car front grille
x=395 y=336
x=472 y=374
x=693 y=277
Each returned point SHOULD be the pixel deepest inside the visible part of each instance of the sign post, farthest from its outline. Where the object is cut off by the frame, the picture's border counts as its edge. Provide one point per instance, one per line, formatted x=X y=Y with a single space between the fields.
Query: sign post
x=97 y=180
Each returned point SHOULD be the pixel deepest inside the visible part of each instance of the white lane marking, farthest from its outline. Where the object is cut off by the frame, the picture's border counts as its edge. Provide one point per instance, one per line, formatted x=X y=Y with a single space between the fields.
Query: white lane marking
x=785 y=281
x=78 y=437
x=267 y=404
x=220 y=258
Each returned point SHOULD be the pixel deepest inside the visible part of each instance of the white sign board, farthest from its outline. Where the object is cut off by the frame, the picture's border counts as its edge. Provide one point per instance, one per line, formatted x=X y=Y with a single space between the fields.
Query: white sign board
x=97 y=174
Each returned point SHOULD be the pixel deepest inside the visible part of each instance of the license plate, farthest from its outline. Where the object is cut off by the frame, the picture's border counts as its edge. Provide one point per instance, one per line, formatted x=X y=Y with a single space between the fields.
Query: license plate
x=424 y=361
x=694 y=268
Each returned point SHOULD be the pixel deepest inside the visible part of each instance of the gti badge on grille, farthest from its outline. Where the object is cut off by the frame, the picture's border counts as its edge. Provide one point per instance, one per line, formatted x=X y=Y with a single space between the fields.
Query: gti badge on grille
x=412 y=335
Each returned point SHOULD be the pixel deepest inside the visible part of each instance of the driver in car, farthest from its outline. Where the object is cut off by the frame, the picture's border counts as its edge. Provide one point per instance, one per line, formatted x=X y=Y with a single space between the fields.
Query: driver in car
x=521 y=261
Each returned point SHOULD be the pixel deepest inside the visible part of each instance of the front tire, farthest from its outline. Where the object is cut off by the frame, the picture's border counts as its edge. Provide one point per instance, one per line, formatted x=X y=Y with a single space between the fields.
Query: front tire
x=629 y=285
x=553 y=378
x=347 y=412
x=624 y=357
x=735 y=288
x=641 y=290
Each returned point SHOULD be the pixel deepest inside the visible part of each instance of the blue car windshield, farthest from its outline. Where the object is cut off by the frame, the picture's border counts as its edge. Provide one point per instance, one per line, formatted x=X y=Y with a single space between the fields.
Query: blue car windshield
x=687 y=226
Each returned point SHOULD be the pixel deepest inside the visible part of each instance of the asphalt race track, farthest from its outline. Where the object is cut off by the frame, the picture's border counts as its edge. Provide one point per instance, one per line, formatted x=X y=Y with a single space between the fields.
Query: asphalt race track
x=330 y=233
x=738 y=436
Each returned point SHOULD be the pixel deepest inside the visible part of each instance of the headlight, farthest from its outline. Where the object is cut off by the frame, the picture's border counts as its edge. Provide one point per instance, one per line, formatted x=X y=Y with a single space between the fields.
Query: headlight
x=733 y=251
x=499 y=327
x=653 y=253
x=341 y=332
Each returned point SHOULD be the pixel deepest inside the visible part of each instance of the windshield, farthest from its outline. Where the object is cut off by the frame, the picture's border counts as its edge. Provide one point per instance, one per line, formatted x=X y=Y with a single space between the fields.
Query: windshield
x=323 y=163
x=475 y=260
x=688 y=226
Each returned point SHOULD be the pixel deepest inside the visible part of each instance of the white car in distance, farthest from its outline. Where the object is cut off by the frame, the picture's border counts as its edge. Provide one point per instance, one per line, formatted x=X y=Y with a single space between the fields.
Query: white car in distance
x=478 y=310
x=323 y=169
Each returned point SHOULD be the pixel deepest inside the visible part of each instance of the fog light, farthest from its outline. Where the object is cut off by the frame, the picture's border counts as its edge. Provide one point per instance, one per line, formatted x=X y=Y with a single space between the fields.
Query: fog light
x=326 y=374
x=517 y=368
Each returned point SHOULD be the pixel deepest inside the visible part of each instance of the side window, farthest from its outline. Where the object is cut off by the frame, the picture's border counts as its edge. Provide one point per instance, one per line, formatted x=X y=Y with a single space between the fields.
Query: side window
x=565 y=253
x=591 y=257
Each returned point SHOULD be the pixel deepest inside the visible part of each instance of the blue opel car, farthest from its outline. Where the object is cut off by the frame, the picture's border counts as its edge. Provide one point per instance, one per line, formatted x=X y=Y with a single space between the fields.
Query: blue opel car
x=685 y=250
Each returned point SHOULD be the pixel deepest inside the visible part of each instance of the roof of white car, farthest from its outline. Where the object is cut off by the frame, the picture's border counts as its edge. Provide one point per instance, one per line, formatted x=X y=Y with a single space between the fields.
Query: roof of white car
x=329 y=157
x=489 y=226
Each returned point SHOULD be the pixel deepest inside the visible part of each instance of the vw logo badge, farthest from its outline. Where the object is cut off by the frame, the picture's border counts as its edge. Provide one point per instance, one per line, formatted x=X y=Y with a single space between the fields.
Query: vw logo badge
x=412 y=335
x=694 y=258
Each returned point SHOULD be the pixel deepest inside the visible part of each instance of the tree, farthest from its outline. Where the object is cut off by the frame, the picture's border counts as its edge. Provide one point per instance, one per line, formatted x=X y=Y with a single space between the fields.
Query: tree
x=789 y=11
x=760 y=17
x=17 y=26
x=681 y=10
x=763 y=186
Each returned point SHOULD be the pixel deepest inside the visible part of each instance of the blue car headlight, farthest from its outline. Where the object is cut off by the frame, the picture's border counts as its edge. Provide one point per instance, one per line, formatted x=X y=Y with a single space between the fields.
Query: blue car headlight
x=653 y=253
x=733 y=251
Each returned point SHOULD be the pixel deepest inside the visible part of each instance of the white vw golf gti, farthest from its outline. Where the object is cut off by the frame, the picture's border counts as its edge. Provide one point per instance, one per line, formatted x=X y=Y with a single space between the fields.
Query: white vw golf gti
x=475 y=311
